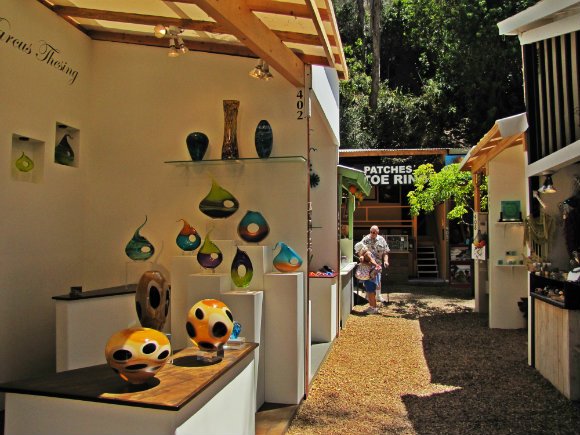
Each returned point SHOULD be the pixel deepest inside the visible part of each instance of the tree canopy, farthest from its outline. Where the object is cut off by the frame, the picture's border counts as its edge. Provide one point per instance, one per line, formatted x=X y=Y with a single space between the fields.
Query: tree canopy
x=446 y=74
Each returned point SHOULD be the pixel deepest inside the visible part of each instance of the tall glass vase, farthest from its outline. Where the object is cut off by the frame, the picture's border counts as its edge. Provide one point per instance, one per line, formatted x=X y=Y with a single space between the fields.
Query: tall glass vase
x=230 y=145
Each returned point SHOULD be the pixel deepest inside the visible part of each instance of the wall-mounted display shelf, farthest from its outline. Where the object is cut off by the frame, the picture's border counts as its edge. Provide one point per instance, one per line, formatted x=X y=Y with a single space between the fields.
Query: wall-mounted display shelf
x=509 y=223
x=27 y=159
x=66 y=145
x=248 y=160
x=548 y=290
x=509 y=265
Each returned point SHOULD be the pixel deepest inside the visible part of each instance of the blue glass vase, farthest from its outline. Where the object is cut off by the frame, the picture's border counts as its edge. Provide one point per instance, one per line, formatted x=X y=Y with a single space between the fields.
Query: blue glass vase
x=263 y=139
x=188 y=239
x=139 y=248
x=287 y=259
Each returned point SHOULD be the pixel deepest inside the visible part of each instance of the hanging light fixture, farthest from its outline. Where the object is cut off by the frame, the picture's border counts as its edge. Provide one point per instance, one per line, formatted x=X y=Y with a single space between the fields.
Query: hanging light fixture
x=548 y=186
x=261 y=71
x=173 y=32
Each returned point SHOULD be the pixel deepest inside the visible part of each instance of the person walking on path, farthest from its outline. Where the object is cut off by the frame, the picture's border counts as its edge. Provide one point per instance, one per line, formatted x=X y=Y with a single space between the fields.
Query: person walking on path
x=369 y=272
x=380 y=250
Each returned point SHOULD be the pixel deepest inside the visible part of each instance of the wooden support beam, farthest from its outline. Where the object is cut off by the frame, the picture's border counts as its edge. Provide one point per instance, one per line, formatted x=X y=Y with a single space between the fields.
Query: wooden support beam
x=317 y=21
x=476 y=193
x=254 y=34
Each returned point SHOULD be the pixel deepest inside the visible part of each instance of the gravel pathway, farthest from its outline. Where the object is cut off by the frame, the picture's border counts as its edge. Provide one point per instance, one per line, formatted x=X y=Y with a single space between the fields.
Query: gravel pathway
x=426 y=364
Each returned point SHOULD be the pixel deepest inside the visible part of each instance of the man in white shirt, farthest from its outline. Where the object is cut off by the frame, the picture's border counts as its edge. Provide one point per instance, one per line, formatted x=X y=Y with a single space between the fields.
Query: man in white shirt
x=380 y=250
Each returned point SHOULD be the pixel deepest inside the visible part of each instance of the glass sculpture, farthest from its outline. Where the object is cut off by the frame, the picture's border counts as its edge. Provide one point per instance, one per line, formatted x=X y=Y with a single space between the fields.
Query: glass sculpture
x=253 y=228
x=287 y=259
x=197 y=143
x=24 y=163
x=236 y=330
x=152 y=300
x=209 y=324
x=230 y=145
x=242 y=263
x=219 y=203
x=137 y=354
x=264 y=139
x=139 y=248
x=188 y=239
x=63 y=152
x=209 y=255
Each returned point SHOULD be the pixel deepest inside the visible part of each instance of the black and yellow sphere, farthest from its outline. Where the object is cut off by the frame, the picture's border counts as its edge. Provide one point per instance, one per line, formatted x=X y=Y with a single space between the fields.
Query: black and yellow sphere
x=209 y=324
x=137 y=354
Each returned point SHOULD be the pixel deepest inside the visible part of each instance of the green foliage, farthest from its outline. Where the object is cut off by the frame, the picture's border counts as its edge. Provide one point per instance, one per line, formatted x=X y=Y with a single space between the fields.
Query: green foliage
x=433 y=188
x=446 y=73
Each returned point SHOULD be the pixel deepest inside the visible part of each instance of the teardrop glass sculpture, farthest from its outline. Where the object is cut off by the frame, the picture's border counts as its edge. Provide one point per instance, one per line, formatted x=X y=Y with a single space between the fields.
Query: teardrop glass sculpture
x=24 y=163
x=197 y=144
x=209 y=255
x=287 y=259
x=230 y=145
x=242 y=263
x=219 y=203
x=139 y=248
x=188 y=239
x=63 y=153
x=264 y=139
x=253 y=228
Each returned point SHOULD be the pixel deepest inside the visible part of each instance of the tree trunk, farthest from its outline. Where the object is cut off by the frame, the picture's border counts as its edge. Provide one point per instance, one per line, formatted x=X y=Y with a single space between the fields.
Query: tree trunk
x=360 y=4
x=376 y=9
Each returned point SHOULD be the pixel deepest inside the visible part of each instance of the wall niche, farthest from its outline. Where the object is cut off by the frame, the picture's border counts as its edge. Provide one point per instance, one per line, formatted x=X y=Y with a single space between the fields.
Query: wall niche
x=66 y=145
x=27 y=159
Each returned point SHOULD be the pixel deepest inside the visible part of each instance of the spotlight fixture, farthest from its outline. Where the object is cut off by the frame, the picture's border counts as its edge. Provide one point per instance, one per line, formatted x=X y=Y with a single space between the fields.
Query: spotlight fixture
x=173 y=32
x=261 y=71
x=548 y=186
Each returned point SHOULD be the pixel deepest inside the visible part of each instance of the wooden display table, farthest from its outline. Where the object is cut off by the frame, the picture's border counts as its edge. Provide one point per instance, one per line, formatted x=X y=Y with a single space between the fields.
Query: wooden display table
x=184 y=397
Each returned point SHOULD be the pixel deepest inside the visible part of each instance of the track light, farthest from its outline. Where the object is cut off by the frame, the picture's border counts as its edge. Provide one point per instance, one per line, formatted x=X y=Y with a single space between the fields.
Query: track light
x=261 y=71
x=548 y=186
x=173 y=32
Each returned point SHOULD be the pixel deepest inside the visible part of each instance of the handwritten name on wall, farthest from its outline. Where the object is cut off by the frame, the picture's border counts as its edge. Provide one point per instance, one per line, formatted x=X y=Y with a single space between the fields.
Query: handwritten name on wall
x=43 y=51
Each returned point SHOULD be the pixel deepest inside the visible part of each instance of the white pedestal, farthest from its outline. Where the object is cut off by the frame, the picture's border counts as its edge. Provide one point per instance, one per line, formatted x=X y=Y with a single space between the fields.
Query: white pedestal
x=181 y=267
x=284 y=337
x=346 y=293
x=84 y=326
x=247 y=310
x=323 y=296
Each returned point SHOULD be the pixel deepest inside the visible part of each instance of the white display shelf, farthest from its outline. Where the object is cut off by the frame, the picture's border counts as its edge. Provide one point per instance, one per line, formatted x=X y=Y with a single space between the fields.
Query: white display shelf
x=246 y=160
x=510 y=265
x=509 y=223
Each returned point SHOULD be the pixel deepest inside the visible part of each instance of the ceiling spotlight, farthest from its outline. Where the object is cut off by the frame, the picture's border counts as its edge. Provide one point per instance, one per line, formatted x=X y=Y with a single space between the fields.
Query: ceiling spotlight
x=261 y=71
x=173 y=52
x=173 y=33
x=160 y=31
x=548 y=186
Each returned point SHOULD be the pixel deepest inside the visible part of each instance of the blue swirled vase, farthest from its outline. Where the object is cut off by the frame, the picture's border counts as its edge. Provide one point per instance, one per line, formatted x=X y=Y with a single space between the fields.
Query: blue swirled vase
x=188 y=239
x=139 y=248
x=287 y=259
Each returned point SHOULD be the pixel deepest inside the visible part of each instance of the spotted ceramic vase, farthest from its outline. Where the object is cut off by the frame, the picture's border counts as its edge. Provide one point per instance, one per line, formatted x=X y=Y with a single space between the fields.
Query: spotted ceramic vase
x=152 y=300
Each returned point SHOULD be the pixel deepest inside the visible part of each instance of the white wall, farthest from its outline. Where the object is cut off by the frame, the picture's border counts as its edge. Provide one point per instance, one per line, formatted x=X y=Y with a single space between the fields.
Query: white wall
x=134 y=107
x=41 y=224
x=507 y=182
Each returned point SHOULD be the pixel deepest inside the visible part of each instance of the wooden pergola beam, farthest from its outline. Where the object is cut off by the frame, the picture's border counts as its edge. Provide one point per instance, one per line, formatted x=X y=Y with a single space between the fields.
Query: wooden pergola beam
x=317 y=21
x=393 y=152
x=254 y=34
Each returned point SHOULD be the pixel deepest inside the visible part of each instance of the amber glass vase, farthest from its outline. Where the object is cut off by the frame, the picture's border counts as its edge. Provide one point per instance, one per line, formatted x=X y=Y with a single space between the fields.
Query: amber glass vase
x=230 y=145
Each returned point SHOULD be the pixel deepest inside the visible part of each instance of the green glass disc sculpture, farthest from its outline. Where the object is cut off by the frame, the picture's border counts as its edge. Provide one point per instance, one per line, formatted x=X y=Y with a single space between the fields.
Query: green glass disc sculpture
x=209 y=255
x=139 y=248
x=242 y=263
x=24 y=163
x=63 y=153
x=287 y=259
x=188 y=239
x=219 y=203
x=253 y=228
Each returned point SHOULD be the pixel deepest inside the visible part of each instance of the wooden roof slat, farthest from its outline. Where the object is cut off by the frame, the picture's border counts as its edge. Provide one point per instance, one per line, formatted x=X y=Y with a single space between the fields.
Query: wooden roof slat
x=283 y=8
x=507 y=142
x=311 y=4
x=338 y=42
x=392 y=152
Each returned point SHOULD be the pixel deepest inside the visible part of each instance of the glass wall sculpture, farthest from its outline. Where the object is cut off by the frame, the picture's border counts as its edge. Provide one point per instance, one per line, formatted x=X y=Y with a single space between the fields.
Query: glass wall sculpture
x=24 y=163
x=242 y=270
x=152 y=300
x=287 y=259
x=139 y=248
x=209 y=324
x=264 y=139
x=253 y=228
x=188 y=239
x=63 y=152
x=219 y=203
x=209 y=255
x=137 y=354
x=230 y=145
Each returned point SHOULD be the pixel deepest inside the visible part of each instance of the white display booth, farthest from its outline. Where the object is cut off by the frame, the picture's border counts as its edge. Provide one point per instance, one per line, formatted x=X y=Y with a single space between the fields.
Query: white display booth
x=128 y=109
